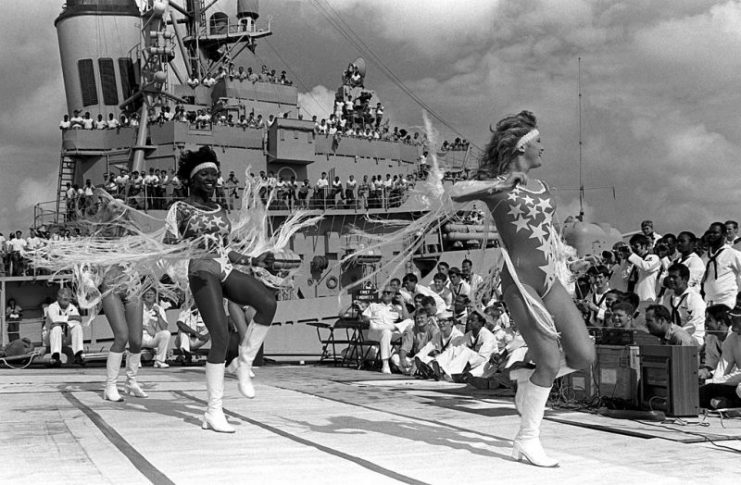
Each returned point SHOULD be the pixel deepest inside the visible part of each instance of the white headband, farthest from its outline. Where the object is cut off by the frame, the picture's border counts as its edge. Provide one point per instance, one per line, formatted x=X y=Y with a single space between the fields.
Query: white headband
x=526 y=138
x=202 y=166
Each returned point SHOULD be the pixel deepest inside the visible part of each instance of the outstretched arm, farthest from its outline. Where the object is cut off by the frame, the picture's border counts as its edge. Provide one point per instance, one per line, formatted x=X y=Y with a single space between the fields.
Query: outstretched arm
x=477 y=190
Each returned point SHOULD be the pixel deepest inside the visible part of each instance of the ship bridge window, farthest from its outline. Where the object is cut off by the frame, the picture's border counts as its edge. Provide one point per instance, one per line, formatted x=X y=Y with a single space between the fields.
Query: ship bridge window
x=86 y=70
x=128 y=77
x=108 y=81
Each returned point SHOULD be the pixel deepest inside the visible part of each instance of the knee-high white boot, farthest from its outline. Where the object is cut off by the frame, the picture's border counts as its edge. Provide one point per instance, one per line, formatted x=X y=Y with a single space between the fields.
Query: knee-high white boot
x=133 y=362
x=527 y=443
x=214 y=417
x=112 y=367
x=248 y=350
x=522 y=376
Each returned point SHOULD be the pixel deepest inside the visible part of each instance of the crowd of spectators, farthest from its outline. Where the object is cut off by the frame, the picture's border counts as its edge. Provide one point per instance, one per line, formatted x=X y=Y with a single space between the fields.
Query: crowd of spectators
x=157 y=190
x=459 y=144
x=682 y=289
x=266 y=75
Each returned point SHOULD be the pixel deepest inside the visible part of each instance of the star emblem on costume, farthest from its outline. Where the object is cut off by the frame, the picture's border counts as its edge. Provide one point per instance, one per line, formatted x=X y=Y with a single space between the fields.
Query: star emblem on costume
x=515 y=211
x=548 y=217
x=543 y=204
x=549 y=269
x=528 y=200
x=512 y=196
x=532 y=212
x=218 y=221
x=196 y=224
x=521 y=223
x=538 y=233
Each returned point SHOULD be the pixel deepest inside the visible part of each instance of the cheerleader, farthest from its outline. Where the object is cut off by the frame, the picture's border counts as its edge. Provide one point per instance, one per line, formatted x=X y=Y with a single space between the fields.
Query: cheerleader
x=523 y=211
x=212 y=278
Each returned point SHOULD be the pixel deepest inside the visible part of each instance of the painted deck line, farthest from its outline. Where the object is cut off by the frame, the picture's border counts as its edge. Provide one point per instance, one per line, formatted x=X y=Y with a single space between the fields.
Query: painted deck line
x=345 y=456
x=144 y=466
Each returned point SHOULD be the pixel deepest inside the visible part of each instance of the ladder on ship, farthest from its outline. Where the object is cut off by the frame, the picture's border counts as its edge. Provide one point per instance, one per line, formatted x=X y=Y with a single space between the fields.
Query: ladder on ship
x=66 y=175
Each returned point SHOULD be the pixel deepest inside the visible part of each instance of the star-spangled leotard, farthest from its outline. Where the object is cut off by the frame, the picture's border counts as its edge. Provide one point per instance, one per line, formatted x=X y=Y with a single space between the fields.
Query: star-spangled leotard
x=185 y=221
x=524 y=219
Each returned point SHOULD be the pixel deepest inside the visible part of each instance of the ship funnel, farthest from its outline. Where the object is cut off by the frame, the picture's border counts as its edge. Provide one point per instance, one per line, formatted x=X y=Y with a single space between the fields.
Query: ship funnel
x=248 y=8
x=96 y=40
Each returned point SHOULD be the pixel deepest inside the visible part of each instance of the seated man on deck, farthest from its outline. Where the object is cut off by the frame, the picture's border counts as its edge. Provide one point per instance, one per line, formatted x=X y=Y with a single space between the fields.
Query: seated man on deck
x=192 y=334
x=64 y=319
x=416 y=339
x=659 y=323
x=724 y=387
x=388 y=318
x=474 y=352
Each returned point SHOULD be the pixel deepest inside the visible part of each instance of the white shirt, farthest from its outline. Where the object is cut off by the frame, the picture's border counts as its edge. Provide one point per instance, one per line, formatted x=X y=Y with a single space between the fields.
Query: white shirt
x=33 y=242
x=382 y=314
x=56 y=314
x=484 y=344
x=687 y=309
x=729 y=367
x=17 y=244
x=462 y=288
x=322 y=184
x=648 y=271
x=722 y=285
x=65 y=125
x=87 y=123
x=696 y=266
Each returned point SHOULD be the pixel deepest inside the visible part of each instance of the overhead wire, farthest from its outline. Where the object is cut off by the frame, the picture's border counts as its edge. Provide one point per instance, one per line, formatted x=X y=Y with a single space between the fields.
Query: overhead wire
x=336 y=20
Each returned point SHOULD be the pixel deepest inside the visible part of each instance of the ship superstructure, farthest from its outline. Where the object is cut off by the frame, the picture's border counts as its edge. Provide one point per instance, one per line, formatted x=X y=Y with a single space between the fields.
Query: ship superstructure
x=165 y=64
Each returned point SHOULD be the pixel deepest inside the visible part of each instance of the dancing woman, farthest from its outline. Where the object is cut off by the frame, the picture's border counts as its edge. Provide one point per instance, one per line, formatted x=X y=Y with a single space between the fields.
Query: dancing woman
x=523 y=210
x=124 y=314
x=213 y=278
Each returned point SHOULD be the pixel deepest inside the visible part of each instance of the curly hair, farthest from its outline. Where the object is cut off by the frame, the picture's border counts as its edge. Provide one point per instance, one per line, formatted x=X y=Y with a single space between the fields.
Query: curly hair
x=502 y=149
x=190 y=159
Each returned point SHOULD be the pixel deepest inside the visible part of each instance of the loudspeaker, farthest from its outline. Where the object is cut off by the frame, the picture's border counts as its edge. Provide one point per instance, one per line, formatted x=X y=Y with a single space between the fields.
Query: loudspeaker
x=668 y=379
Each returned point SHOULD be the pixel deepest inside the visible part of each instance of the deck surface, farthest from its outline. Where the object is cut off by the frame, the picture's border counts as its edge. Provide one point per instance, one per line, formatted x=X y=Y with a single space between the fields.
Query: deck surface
x=312 y=424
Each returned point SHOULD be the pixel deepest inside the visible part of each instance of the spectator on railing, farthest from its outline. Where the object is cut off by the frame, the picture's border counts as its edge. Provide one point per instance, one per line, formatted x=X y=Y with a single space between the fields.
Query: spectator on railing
x=77 y=121
x=135 y=186
x=112 y=122
x=87 y=122
x=155 y=333
x=231 y=185
x=109 y=184
x=209 y=81
x=134 y=120
x=251 y=76
x=241 y=75
x=336 y=190
x=13 y=316
x=284 y=80
x=303 y=194
x=100 y=123
x=65 y=124
x=17 y=246
x=150 y=181
x=192 y=334
x=64 y=321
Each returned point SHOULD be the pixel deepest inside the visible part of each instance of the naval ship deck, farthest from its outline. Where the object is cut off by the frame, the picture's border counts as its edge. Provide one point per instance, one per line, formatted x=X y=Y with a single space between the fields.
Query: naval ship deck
x=315 y=424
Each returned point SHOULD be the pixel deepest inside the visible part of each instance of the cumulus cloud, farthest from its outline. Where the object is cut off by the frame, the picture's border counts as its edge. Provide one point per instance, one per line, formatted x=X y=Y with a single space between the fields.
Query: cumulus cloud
x=318 y=102
x=34 y=190
x=659 y=80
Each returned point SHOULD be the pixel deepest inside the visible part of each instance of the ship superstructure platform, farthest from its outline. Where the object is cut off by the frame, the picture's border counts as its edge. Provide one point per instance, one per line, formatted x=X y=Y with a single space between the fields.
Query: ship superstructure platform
x=321 y=425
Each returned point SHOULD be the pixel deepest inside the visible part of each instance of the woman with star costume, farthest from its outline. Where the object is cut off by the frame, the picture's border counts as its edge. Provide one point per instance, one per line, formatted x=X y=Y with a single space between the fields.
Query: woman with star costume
x=212 y=277
x=550 y=323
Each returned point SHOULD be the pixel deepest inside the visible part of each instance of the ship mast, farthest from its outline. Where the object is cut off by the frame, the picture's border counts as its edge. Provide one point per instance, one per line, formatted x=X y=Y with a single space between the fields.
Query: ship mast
x=581 y=179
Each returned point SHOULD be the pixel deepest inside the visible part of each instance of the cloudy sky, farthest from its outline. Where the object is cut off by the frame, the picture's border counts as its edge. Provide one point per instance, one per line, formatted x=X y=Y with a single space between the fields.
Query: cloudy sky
x=660 y=83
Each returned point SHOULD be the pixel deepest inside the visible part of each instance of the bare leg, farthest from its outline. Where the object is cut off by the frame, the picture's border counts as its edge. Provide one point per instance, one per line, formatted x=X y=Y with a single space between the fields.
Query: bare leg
x=114 y=311
x=208 y=294
x=577 y=346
